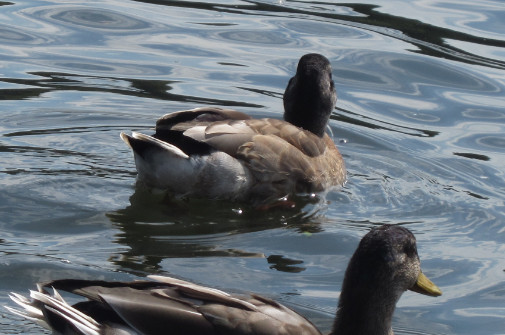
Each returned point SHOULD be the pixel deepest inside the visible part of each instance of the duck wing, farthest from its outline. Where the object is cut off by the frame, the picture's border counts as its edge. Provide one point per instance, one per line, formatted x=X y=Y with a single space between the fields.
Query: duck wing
x=215 y=125
x=283 y=157
x=182 y=129
x=173 y=306
x=182 y=120
x=238 y=315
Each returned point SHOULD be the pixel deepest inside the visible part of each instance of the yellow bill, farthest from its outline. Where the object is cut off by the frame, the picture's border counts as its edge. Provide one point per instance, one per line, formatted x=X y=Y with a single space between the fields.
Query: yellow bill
x=425 y=286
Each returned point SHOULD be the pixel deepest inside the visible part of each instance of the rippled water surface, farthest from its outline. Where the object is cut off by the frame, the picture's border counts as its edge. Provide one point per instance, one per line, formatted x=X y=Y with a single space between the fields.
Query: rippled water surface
x=420 y=121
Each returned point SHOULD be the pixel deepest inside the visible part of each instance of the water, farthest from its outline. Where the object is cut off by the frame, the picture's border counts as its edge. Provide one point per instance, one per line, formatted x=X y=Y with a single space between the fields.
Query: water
x=420 y=121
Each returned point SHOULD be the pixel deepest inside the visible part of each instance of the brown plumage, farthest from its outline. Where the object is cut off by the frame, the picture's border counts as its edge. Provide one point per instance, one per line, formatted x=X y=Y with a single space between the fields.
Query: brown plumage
x=224 y=154
x=384 y=265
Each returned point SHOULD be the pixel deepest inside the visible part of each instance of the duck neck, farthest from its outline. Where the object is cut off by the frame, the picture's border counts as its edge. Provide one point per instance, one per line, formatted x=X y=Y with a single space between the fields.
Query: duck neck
x=309 y=106
x=311 y=114
x=366 y=304
x=364 y=315
x=315 y=125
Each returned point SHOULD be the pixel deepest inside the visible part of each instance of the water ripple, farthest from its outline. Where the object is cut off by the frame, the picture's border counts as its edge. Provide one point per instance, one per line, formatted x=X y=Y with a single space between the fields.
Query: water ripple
x=10 y=35
x=324 y=28
x=90 y=18
x=260 y=37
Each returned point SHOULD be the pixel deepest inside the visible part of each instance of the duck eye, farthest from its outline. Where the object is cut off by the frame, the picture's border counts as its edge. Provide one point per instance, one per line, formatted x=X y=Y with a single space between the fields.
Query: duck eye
x=410 y=250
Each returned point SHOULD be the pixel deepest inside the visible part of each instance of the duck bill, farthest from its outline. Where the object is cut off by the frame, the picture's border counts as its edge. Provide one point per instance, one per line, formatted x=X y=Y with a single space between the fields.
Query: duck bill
x=425 y=286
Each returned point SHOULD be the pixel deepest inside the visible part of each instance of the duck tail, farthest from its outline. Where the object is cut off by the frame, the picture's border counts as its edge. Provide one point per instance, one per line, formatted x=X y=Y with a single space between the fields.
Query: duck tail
x=140 y=143
x=53 y=312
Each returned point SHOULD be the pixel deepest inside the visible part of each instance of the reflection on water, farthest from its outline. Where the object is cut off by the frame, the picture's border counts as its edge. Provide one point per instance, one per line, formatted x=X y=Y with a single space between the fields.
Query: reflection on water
x=420 y=122
x=90 y=18
x=155 y=227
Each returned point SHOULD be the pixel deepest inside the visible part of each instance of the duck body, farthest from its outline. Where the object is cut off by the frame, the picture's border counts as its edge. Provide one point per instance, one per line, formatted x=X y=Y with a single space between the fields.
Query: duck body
x=237 y=159
x=224 y=154
x=383 y=267
x=163 y=305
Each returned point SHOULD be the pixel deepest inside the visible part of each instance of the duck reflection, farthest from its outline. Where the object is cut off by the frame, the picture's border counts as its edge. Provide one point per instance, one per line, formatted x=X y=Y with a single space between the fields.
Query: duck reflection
x=155 y=227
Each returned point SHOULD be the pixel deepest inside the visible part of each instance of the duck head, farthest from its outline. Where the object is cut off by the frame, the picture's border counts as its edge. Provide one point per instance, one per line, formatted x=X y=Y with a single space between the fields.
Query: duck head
x=383 y=267
x=310 y=96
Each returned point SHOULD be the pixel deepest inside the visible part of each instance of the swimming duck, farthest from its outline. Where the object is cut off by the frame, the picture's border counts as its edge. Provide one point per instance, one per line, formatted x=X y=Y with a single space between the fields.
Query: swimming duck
x=225 y=154
x=384 y=265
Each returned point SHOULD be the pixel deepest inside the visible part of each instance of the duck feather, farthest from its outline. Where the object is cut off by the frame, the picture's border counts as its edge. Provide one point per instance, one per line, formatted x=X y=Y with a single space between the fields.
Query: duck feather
x=384 y=265
x=266 y=158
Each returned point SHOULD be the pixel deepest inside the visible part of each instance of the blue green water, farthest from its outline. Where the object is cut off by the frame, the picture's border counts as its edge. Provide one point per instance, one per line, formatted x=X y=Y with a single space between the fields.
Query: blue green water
x=420 y=121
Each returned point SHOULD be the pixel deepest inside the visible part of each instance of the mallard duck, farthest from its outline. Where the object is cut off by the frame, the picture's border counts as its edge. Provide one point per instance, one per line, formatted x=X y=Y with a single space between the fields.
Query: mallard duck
x=225 y=154
x=384 y=265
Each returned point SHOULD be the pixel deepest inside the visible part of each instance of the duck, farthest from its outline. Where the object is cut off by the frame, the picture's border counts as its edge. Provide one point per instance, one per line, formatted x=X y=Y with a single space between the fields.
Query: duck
x=384 y=265
x=224 y=154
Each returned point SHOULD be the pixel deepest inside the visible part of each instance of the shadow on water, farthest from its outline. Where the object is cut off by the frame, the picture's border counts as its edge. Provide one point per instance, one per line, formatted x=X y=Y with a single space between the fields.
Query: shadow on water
x=53 y=81
x=155 y=227
x=350 y=117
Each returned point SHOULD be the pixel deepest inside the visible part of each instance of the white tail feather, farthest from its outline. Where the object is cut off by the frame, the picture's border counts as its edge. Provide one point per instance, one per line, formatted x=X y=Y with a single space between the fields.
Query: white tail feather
x=58 y=296
x=68 y=310
x=56 y=304
x=29 y=309
x=23 y=314
x=165 y=145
